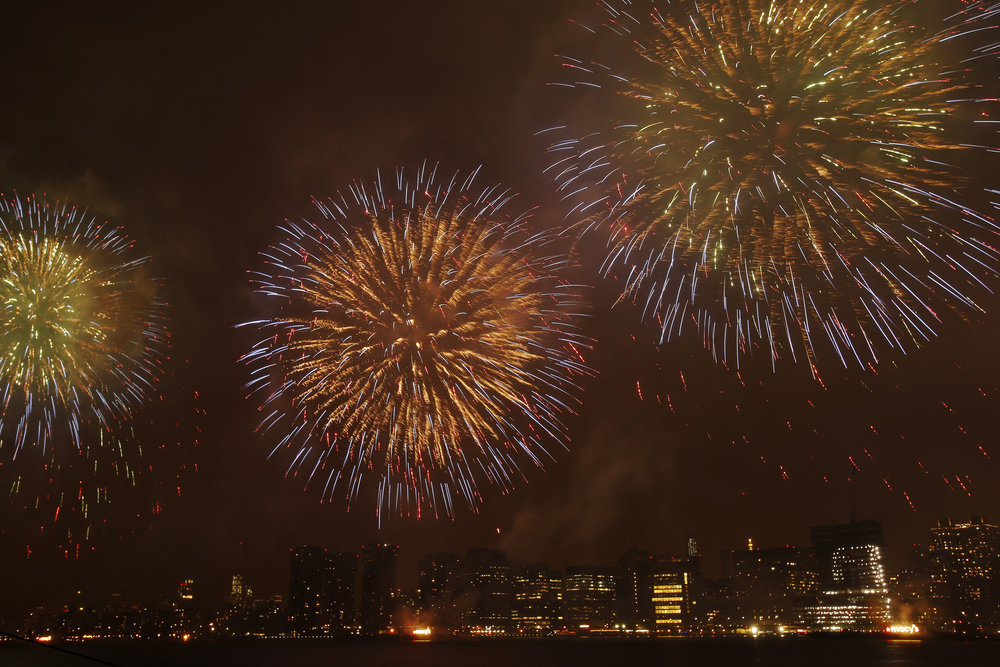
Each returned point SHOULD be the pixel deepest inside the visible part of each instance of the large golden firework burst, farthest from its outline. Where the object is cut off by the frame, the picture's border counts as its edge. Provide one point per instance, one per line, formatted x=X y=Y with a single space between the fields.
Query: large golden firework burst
x=424 y=341
x=792 y=173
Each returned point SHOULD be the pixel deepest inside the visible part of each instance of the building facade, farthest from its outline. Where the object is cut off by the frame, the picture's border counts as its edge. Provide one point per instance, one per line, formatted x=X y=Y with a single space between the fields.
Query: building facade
x=671 y=596
x=853 y=589
x=589 y=598
x=378 y=588
x=964 y=577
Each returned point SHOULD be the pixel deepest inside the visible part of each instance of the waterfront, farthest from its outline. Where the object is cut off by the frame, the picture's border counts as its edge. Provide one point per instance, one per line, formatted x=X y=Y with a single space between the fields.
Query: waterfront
x=787 y=652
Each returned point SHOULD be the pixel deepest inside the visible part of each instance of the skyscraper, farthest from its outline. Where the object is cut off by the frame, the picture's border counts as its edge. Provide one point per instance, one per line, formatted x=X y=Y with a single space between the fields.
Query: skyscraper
x=536 y=609
x=488 y=586
x=305 y=590
x=770 y=586
x=671 y=583
x=185 y=609
x=378 y=587
x=853 y=591
x=589 y=597
x=339 y=577
x=437 y=582
x=634 y=594
x=965 y=577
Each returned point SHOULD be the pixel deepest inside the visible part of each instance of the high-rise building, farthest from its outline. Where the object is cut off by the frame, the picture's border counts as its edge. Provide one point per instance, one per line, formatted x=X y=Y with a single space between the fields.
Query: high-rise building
x=696 y=587
x=488 y=589
x=240 y=594
x=853 y=589
x=337 y=599
x=965 y=577
x=437 y=583
x=307 y=571
x=537 y=597
x=185 y=609
x=692 y=548
x=185 y=593
x=557 y=608
x=671 y=584
x=378 y=587
x=589 y=597
x=771 y=586
x=634 y=593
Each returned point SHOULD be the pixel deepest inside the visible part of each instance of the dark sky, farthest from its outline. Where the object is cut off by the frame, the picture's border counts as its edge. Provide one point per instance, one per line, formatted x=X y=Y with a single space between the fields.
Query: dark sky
x=200 y=129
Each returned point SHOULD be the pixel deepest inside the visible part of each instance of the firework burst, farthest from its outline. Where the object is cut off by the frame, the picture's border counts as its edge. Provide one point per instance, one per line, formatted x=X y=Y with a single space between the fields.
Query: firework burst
x=424 y=340
x=81 y=350
x=81 y=337
x=792 y=175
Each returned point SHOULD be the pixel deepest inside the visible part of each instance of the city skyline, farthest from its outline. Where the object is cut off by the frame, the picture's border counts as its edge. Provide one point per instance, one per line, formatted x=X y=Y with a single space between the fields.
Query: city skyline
x=839 y=583
x=408 y=564
x=200 y=131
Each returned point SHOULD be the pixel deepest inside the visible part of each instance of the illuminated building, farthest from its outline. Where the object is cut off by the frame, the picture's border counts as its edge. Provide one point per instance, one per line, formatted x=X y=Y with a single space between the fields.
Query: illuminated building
x=589 y=597
x=853 y=591
x=715 y=607
x=537 y=605
x=184 y=610
x=965 y=577
x=769 y=586
x=305 y=590
x=557 y=610
x=436 y=586
x=696 y=587
x=240 y=594
x=321 y=591
x=236 y=590
x=634 y=595
x=671 y=596
x=488 y=589
x=378 y=587
x=185 y=593
x=337 y=599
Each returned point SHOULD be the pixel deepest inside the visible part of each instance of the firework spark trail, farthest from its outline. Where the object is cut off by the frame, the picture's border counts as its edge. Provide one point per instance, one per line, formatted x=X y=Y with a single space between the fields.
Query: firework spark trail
x=793 y=174
x=424 y=340
x=115 y=484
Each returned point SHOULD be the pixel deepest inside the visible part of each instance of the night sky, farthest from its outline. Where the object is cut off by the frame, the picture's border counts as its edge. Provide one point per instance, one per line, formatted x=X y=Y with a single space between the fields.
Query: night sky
x=200 y=129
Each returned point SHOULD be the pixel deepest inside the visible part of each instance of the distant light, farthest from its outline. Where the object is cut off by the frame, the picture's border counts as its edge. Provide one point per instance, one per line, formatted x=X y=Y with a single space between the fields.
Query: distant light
x=185 y=637
x=422 y=632
x=44 y=638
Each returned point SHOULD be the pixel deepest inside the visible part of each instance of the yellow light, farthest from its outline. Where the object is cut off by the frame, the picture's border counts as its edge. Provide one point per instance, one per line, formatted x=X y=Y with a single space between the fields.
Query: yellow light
x=422 y=632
